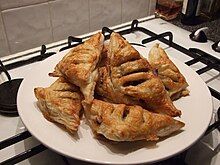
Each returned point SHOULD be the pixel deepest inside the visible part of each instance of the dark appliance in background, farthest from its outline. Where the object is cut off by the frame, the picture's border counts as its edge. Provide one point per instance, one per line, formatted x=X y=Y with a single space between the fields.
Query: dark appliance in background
x=195 y=12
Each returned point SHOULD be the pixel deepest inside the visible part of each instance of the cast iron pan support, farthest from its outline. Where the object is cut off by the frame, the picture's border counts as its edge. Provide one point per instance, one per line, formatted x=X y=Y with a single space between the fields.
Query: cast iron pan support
x=5 y=71
x=106 y=30
x=43 y=55
x=71 y=40
x=162 y=35
x=134 y=25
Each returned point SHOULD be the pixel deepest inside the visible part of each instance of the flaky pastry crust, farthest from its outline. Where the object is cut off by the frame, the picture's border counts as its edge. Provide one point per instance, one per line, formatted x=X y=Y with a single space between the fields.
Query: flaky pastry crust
x=117 y=73
x=132 y=75
x=106 y=90
x=79 y=66
x=61 y=103
x=174 y=82
x=119 y=122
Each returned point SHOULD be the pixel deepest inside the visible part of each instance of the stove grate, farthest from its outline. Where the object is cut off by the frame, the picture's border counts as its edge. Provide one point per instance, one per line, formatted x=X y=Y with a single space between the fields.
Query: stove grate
x=43 y=55
x=197 y=55
x=24 y=155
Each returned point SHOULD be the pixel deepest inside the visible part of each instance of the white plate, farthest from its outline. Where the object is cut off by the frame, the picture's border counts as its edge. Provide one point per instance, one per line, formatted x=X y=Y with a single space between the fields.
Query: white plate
x=196 y=114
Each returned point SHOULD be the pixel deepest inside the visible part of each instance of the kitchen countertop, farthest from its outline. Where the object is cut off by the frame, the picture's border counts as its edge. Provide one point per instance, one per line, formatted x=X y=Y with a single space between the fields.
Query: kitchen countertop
x=213 y=33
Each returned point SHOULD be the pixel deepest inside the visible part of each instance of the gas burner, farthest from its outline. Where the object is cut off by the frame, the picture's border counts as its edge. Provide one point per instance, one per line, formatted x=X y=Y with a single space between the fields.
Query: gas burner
x=8 y=94
x=9 y=89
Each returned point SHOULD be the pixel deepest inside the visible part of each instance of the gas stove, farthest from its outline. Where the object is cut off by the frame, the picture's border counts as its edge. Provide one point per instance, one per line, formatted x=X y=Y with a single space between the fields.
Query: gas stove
x=17 y=145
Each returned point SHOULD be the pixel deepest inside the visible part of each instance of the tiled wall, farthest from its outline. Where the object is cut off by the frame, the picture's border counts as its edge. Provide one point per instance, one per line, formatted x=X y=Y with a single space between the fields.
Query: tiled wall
x=26 y=24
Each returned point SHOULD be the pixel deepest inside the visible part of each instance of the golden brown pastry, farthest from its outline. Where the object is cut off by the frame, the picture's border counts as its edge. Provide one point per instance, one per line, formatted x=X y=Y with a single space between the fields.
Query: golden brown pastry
x=79 y=66
x=61 y=103
x=106 y=90
x=132 y=75
x=119 y=122
x=173 y=80
x=104 y=57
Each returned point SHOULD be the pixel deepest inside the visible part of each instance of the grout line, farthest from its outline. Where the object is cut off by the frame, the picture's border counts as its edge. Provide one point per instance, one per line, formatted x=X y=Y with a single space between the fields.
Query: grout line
x=121 y=11
x=51 y=24
x=89 y=16
x=27 y=5
x=6 y=36
x=150 y=5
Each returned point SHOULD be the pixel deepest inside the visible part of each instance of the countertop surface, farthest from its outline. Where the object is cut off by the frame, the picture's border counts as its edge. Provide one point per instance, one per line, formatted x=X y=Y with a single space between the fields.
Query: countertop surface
x=213 y=32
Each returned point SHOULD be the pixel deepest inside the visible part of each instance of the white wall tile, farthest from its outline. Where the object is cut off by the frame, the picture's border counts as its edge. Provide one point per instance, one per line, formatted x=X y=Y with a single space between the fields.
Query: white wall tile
x=4 y=49
x=28 y=27
x=8 y=4
x=134 y=9
x=31 y=23
x=69 y=17
x=152 y=7
x=104 y=13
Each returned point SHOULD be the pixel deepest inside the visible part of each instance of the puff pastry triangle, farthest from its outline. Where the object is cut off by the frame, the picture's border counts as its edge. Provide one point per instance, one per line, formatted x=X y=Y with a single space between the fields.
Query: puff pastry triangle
x=106 y=90
x=61 y=103
x=79 y=66
x=132 y=75
x=174 y=82
x=119 y=122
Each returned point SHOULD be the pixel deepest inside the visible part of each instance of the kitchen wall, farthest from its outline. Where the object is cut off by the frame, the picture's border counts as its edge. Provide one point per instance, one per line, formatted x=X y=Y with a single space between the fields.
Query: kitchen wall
x=26 y=24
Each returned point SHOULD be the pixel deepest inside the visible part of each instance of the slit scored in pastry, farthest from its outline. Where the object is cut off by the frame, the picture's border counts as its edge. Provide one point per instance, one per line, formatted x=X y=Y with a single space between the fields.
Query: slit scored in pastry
x=79 y=66
x=174 y=82
x=139 y=80
x=106 y=89
x=119 y=122
x=61 y=103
